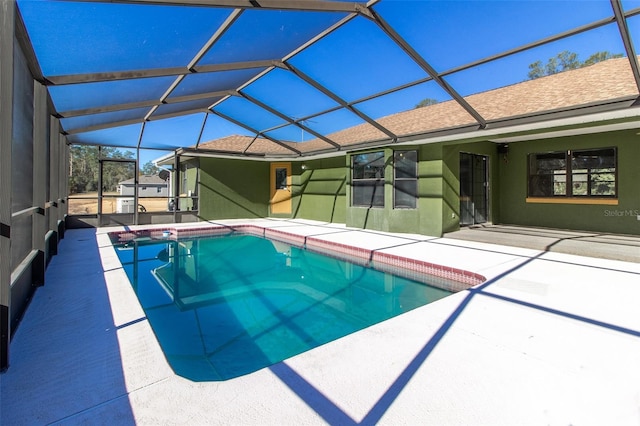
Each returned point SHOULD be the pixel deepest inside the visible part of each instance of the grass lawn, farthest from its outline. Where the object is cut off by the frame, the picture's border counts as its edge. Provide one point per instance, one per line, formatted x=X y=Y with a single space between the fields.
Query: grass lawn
x=88 y=204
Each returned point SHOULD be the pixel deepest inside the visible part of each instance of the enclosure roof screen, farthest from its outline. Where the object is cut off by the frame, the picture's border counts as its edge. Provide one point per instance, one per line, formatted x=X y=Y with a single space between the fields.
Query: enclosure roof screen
x=300 y=77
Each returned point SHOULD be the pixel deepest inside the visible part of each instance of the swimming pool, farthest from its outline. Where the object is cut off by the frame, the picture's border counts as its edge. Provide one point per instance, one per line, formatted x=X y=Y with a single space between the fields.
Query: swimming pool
x=222 y=307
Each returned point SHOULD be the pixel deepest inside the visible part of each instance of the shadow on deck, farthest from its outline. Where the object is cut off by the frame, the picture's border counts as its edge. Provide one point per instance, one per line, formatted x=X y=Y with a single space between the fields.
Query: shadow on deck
x=583 y=243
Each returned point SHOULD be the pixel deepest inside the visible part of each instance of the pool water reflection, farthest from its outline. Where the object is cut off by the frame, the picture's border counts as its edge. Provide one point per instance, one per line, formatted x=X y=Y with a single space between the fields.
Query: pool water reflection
x=222 y=307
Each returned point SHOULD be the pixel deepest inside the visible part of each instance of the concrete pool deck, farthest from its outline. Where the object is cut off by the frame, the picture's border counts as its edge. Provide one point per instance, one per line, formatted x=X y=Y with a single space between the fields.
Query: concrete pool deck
x=549 y=338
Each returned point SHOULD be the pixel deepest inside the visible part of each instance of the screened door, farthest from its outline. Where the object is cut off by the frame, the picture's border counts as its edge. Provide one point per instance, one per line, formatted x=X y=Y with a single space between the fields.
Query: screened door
x=474 y=189
x=117 y=190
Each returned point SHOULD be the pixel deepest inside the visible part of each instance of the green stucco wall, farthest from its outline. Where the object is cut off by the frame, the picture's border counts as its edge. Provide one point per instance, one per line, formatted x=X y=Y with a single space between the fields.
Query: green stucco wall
x=427 y=218
x=191 y=181
x=233 y=189
x=239 y=189
x=621 y=218
x=438 y=206
x=436 y=189
x=319 y=191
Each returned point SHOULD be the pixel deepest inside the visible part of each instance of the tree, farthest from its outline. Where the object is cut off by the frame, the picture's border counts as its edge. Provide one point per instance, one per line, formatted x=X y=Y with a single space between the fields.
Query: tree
x=426 y=102
x=536 y=70
x=565 y=61
x=600 y=56
x=84 y=168
x=149 y=169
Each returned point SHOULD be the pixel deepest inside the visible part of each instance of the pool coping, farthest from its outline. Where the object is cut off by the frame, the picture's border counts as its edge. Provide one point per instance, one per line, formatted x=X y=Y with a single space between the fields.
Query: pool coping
x=441 y=276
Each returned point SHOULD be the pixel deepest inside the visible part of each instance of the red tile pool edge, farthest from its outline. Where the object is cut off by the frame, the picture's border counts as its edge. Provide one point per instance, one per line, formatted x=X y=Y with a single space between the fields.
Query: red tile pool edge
x=451 y=279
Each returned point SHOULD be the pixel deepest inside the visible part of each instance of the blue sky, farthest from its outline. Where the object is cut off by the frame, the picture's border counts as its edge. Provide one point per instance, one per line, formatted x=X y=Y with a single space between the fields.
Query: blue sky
x=354 y=62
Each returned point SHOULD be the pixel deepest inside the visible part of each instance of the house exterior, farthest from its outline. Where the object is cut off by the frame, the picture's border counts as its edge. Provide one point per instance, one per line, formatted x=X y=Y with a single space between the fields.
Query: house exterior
x=148 y=186
x=540 y=161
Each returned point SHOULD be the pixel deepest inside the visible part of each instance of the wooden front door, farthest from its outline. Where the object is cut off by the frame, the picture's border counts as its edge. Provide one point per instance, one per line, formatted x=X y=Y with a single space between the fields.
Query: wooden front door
x=280 y=192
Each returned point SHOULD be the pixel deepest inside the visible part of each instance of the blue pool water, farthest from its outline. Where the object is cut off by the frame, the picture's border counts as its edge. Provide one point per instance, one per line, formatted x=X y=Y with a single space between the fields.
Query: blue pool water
x=222 y=307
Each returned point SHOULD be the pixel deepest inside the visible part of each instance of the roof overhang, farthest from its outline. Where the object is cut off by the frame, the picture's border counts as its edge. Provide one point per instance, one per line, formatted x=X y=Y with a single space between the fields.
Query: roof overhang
x=591 y=119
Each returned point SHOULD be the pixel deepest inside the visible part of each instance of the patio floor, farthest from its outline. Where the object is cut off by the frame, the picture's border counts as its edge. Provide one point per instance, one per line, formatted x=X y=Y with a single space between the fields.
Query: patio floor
x=549 y=338
x=582 y=243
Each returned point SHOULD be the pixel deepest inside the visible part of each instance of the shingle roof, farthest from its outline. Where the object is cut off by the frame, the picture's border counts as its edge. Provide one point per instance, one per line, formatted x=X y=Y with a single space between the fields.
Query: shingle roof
x=603 y=81
x=145 y=180
x=245 y=144
x=599 y=83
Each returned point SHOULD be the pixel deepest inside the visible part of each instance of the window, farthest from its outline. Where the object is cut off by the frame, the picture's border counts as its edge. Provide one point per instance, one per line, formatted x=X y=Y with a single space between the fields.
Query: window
x=184 y=168
x=580 y=173
x=281 y=178
x=367 y=179
x=548 y=174
x=593 y=173
x=405 y=182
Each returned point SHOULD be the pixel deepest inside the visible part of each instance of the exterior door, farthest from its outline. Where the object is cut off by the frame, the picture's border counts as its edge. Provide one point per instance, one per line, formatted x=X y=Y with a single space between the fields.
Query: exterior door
x=280 y=192
x=474 y=189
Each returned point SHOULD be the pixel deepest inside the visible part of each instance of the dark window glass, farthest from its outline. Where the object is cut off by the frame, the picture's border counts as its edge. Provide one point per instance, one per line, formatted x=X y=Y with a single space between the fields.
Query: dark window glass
x=368 y=193
x=405 y=183
x=368 y=166
x=405 y=193
x=573 y=173
x=548 y=174
x=367 y=179
x=281 y=178
x=593 y=173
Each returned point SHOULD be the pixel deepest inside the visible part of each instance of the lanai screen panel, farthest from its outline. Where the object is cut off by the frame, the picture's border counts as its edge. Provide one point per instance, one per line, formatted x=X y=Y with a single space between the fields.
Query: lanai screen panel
x=176 y=131
x=349 y=63
x=22 y=153
x=214 y=82
x=275 y=89
x=634 y=28
x=320 y=74
x=88 y=122
x=99 y=96
x=73 y=38
x=216 y=128
x=120 y=136
x=420 y=93
x=460 y=33
x=268 y=34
